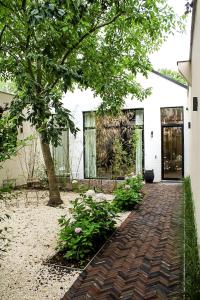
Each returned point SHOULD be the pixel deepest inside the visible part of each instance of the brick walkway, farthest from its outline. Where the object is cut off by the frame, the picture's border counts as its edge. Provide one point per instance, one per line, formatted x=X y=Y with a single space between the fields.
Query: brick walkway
x=142 y=260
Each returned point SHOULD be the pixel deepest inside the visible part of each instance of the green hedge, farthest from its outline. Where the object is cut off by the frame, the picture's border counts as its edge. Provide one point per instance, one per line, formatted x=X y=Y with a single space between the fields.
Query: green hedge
x=192 y=264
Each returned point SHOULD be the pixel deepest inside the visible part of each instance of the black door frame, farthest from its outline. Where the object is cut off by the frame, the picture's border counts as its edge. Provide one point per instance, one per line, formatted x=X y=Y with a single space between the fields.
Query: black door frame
x=162 y=144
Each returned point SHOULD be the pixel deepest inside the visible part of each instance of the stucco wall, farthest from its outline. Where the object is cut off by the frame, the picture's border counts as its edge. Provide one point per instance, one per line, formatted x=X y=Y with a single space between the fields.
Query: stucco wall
x=195 y=120
x=19 y=166
x=164 y=94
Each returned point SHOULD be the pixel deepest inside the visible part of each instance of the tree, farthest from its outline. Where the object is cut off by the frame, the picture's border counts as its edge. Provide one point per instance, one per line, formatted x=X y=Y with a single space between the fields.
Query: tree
x=48 y=46
x=174 y=75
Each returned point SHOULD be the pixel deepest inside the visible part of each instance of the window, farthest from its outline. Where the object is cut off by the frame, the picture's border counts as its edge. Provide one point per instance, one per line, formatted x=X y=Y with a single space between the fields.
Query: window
x=172 y=115
x=90 y=144
x=113 y=145
x=61 y=155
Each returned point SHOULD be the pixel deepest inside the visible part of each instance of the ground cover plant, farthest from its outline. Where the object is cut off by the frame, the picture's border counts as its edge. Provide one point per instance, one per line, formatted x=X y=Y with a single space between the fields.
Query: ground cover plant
x=91 y=224
x=128 y=193
x=192 y=264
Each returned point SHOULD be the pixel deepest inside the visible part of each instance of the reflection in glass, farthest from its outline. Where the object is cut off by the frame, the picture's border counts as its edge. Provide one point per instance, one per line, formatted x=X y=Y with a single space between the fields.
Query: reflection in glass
x=172 y=115
x=113 y=145
x=172 y=152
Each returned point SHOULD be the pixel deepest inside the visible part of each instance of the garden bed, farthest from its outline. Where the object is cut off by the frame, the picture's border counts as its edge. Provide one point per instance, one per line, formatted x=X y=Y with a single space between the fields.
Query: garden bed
x=33 y=234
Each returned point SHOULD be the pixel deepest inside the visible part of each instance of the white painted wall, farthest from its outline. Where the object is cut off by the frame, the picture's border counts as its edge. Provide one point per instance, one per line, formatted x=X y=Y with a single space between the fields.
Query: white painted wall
x=18 y=167
x=164 y=94
x=195 y=120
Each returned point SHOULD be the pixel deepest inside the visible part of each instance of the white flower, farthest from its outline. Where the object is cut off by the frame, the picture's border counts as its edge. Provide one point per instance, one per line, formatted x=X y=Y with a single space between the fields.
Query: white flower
x=90 y=193
x=100 y=197
x=133 y=175
x=127 y=187
x=74 y=181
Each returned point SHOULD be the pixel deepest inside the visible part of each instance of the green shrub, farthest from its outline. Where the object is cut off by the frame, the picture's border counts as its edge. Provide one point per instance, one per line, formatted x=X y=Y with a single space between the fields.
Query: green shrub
x=6 y=189
x=128 y=194
x=136 y=183
x=192 y=263
x=91 y=224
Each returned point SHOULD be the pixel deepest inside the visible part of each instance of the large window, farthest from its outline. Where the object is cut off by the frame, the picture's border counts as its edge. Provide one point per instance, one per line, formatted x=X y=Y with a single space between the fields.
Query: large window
x=113 y=145
x=61 y=155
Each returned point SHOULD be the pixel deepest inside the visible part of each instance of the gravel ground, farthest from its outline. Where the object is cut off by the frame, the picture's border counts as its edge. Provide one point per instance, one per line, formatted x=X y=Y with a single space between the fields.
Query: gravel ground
x=32 y=230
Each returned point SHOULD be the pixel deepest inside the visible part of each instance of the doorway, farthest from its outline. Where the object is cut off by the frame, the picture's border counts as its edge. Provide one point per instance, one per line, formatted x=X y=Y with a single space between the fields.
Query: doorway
x=172 y=143
x=172 y=152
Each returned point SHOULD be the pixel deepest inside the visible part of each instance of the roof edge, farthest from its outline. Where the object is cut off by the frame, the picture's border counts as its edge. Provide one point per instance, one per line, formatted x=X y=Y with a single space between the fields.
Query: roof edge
x=170 y=79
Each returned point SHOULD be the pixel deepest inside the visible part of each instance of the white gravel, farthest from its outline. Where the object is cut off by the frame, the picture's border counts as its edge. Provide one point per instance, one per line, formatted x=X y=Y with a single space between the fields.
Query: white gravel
x=32 y=229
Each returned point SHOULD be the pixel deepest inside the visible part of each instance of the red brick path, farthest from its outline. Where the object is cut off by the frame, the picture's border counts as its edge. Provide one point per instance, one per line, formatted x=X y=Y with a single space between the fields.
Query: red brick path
x=142 y=260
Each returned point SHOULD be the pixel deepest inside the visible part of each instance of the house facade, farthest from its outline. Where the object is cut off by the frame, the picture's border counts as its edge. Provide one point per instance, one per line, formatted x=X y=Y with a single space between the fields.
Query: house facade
x=159 y=124
x=147 y=135
x=191 y=71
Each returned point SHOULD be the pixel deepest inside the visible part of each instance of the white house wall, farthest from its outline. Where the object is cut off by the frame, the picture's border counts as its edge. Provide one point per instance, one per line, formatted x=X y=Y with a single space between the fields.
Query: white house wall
x=18 y=167
x=195 y=119
x=164 y=94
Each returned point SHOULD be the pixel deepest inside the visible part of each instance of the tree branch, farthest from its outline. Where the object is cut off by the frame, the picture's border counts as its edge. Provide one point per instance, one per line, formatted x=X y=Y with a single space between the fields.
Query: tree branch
x=93 y=29
x=24 y=5
x=3 y=4
x=87 y=34
x=2 y=32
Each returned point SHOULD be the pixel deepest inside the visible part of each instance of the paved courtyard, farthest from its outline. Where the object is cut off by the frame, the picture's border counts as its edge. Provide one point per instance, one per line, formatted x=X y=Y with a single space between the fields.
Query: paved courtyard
x=143 y=258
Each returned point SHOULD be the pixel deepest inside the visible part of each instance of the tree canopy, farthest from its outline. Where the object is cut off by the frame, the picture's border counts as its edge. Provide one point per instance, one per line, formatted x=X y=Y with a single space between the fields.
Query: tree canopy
x=174 y=75
x=48 y=46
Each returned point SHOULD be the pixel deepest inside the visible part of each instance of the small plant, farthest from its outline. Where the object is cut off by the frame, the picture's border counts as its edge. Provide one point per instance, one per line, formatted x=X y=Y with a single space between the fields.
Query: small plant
x=78 y=187
x=91 y=224
x=128 y=194
x=135 y=182
x=8 y=188
x=3 y=229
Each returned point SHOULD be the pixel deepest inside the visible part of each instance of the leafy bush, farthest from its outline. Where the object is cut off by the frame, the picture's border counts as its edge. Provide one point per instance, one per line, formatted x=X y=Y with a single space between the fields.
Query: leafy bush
x=91 y=224
x=136 y=183
x=128 y=194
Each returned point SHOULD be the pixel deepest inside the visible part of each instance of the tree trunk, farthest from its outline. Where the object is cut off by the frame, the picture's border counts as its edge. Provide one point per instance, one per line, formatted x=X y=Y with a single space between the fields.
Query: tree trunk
x=54 y=194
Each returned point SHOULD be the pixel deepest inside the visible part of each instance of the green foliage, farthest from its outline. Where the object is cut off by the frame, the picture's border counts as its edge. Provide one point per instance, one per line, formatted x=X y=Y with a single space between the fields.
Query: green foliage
x=136 y=183
x=91 y=224
x=9 y=144
x=8 y=137
x=118 y=157
x=52 y=45
x=192 y=263
x=173 y=75
x=7 y=86
x=6 y=189
x=128 y=194
x=78 y=187
x=131 y=157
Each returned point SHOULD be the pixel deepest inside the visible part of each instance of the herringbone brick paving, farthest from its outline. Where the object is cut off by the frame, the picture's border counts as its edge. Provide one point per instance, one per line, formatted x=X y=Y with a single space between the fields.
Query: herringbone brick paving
x=142 y=260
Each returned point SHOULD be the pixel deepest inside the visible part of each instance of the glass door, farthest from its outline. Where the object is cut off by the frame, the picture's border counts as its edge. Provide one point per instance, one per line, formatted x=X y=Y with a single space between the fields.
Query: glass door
x=172 y=152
